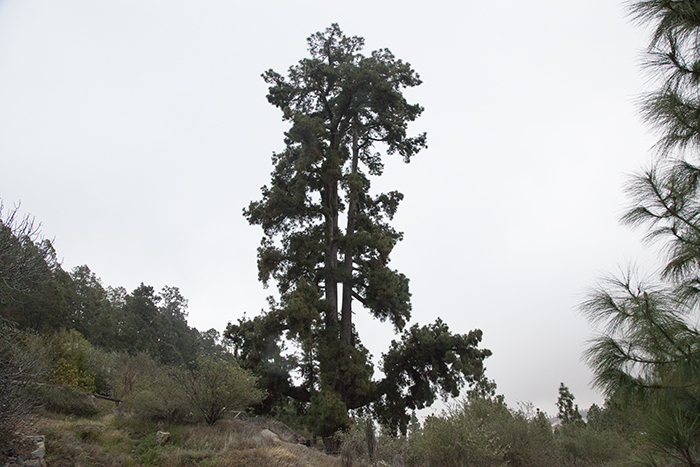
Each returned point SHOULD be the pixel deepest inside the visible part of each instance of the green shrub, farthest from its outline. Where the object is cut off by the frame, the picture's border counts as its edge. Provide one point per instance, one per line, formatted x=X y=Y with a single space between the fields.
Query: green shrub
x=136 y=427
x=148 y=451
x=66 y=373
x=88 y=434
x=215 y=385
x=483 y=431
x=358 y=442
x=458 y=440
x=327 y=413
x=76 y=363
x=582 y=445
x=68 y=401
x=102 y=365
x=362 y=445
x=159 y=399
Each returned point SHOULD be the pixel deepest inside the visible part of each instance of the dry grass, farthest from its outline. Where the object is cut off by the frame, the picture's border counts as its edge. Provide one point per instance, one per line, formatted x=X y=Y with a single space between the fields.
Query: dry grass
x=288 y=455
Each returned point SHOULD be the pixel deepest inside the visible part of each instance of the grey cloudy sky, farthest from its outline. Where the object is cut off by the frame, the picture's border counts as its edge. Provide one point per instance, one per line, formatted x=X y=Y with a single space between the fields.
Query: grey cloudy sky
x=137 y=130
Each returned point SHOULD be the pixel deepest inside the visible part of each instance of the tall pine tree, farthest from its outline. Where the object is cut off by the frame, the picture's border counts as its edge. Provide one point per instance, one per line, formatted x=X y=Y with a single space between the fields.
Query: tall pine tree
x=327 y=242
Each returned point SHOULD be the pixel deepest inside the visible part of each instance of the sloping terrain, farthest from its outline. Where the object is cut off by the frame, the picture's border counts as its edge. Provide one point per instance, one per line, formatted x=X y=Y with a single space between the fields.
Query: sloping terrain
x=114 y=440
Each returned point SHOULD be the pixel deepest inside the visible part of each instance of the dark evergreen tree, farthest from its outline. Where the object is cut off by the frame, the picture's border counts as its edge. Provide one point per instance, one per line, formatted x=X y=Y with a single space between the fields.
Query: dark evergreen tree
x=141 y=313
x=342 y=107
x=178 y=344
x=95 y=317
x=568 y=411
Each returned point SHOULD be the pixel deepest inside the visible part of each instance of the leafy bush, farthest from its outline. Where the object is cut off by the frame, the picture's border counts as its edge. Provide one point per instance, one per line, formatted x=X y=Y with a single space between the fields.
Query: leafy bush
x=102 y=365
x=68 y=374
x=483 y=431
x=327 y=414
x=70 y=354
x=215 y=385
x=582 y=445
x=68 y=401
x=358 y=442
x=160 y=398
x=363 y=444
x=464 y=435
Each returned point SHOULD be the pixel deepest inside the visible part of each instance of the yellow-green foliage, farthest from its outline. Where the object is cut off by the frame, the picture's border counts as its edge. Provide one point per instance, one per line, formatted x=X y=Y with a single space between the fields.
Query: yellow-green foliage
x=68 y=374
x=147 y=389
x=69 y=352
x=162 y=398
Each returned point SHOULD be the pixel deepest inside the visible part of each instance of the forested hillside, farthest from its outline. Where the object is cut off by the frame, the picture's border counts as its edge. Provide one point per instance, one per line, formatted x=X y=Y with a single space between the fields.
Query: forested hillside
x=37 y=294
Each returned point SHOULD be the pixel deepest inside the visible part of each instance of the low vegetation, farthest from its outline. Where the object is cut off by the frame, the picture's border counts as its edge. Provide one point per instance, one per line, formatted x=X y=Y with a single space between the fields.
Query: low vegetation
x=147 y=398
x=119 y=440
x=476 y=431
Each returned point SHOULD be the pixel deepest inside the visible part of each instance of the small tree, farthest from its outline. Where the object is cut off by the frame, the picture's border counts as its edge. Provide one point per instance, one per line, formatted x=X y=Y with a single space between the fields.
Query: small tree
x=568 y=411
x=216 y=385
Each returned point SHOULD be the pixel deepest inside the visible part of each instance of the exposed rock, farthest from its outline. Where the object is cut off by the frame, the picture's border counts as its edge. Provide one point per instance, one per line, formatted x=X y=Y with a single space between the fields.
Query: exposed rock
x=162 y=437
x=35 y=459
x=40 y=450
x=269 y=437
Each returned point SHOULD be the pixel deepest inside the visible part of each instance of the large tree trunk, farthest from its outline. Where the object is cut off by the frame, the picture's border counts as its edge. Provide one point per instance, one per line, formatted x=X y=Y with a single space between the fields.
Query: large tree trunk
x=331 y=257
x=346 y=310
x=331 y=205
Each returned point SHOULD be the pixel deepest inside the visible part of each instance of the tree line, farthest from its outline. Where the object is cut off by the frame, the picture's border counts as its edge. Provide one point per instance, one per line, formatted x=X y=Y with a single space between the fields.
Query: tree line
x=37 y=294
x=64 y=335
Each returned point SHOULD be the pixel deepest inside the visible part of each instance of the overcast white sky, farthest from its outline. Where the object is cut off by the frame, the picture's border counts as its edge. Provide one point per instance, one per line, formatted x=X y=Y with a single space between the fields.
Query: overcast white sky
x=137 y=130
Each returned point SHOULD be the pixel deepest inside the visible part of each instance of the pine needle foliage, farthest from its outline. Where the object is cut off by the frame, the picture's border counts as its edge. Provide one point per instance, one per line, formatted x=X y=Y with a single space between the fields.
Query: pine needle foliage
x=674 y=59
x=649 y=351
